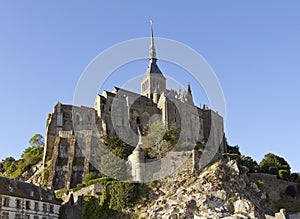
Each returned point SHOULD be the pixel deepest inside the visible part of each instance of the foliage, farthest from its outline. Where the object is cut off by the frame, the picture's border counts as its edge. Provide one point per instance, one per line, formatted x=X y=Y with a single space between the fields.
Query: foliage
x=233 y=149
x=78 y=187
x=260 y=184
x=160 y=140
x=244 y=161
x=118 y=147
x=284 y=174
x=89 y=177
x=102 y=181
x=294 y=177
x=37 y=141
x=45 y=176
x=271 y=162
x=60 y=193
x=273 y=170
x=116 y=197
x=123 y=194
x=113 y=166
x=31 y=156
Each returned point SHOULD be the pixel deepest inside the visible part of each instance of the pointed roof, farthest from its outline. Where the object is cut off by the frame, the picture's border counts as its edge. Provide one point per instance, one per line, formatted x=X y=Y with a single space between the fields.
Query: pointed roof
x=139 y=144
x=152 y=67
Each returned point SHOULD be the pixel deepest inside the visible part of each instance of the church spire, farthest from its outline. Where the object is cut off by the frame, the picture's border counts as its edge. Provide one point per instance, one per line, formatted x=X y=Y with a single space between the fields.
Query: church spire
x=152 y=47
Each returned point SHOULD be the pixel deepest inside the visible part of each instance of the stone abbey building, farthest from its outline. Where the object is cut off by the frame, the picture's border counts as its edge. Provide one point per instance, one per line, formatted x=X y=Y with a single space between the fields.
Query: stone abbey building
x=121 y=112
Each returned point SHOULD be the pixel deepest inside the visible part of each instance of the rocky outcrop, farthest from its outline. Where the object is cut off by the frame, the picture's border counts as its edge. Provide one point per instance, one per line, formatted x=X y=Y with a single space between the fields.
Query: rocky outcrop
x=219 y=191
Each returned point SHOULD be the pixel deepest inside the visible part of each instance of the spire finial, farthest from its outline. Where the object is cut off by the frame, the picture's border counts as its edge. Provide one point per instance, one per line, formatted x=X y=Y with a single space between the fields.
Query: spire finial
x=152 y=48
x=189 y=88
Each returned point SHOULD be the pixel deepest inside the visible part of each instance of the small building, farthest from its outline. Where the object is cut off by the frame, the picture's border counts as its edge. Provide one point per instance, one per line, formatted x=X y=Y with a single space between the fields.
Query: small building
x=20 y=200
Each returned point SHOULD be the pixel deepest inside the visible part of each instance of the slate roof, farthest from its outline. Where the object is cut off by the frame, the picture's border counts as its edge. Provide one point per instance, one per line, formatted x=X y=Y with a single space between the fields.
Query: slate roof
x=153 y=67
x=12 y=187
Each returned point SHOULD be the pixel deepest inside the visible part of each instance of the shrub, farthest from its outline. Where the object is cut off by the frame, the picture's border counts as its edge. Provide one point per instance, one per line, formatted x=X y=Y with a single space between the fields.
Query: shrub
x=260 y=184
x=273 y=170
x=101 y=181
x=89 y=177
x=78 y=187
x=294 y=177
x=284 y=174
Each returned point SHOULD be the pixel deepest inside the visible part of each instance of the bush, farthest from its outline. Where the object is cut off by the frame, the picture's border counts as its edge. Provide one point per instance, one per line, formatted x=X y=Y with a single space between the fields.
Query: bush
x=272 y=160
x=101 y=181
x=273 y=170
x=260 y=184
x=284 y=174
x=78 y=187
x=88 y=177
x=294 y=177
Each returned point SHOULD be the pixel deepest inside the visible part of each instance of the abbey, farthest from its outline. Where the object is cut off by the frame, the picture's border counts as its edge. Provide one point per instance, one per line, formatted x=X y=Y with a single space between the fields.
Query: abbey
x=73 y=131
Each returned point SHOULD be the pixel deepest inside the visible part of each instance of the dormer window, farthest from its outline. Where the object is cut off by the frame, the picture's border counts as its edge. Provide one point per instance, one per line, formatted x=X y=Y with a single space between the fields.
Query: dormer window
x=31 y=193
x=10 y=188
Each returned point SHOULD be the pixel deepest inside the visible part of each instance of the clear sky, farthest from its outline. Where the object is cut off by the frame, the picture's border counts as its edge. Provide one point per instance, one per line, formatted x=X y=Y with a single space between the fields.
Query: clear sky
x=253 y=47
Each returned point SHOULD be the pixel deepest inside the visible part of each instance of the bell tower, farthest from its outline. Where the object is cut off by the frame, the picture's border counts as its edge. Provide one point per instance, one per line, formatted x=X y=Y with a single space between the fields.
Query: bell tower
x=153 y=81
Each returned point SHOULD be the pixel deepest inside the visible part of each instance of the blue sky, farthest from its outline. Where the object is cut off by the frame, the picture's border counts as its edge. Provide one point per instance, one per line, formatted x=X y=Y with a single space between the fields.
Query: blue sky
x=253 y=47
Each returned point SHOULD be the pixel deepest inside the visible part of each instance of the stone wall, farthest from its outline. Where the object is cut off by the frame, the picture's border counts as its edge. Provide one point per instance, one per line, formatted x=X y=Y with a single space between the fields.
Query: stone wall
x=272 y=185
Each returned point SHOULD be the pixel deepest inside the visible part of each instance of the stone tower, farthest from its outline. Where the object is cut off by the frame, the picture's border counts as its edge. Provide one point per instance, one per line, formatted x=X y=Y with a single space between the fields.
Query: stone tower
x=153 y=81
x=137 y=161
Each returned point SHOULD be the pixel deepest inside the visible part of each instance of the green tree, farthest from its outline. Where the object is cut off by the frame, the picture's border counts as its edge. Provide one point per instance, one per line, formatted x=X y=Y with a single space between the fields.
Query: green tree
x=160 y=140
x=7 y=162
x=284 y=174
x=123 y=194
x=37 y=141
x=271 y=162
x=113 y=166
x=250 y=163
x=118 y=147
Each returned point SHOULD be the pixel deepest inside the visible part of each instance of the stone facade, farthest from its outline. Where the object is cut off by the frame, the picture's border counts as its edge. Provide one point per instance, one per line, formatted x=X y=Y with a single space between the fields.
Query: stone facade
x=69 y=162
x=121 y=112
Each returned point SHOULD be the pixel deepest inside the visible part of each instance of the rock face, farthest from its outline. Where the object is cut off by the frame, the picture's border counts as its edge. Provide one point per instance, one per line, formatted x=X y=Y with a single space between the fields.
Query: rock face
x=219 y=191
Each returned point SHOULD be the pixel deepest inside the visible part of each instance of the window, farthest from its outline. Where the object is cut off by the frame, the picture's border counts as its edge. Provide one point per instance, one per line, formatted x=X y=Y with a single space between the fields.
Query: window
x=44 y=218
x=28 y=205
x=27 y=216
x=31 y=193
x=18 y=203
x=36 y=206
x=6 y=202
x=5 y=215
x=35 y=217
x=51 y=209
x=17 y=216
x=44 y=208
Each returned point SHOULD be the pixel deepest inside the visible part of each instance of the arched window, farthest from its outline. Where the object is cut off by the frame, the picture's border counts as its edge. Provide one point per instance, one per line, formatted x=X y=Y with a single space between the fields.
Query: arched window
x=138 y=122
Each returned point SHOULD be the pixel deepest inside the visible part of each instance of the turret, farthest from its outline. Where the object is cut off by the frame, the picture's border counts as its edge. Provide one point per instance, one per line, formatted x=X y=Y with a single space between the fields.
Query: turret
x=137 y=160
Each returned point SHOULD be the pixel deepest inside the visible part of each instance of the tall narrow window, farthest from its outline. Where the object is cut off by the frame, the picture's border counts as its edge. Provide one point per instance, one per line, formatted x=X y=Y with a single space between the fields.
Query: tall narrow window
x=28 y=205
x=52 y=209
x=44 y=208
x=36 y=206
x=5 y=215
x=18 y=203
x=6 y=202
